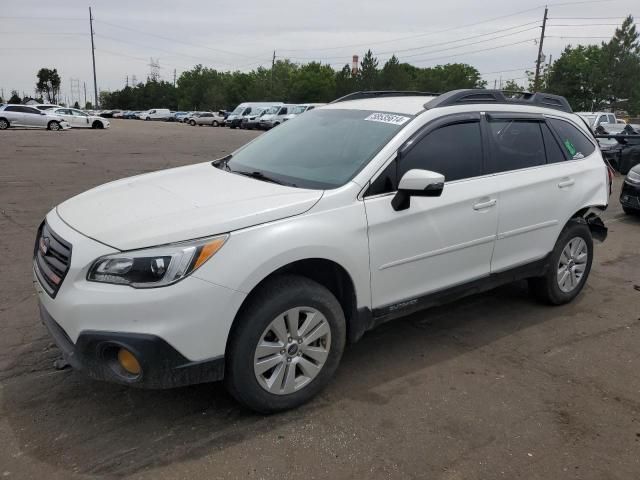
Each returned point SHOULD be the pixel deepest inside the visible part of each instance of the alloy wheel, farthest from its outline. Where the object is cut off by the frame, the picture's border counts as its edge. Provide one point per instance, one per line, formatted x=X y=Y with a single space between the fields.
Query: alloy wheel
x=572 y=264
x=292 y=350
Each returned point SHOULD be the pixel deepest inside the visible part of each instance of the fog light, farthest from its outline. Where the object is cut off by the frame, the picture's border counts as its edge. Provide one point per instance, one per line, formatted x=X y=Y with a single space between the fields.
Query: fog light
x=129 y=362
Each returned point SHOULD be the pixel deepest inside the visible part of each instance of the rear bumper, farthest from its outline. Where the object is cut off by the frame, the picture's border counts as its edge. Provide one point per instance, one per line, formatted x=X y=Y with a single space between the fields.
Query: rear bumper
x=162 y=366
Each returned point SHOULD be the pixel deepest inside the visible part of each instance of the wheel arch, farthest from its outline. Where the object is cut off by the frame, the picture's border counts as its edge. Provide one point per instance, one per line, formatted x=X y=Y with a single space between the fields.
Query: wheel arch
x=327 y=273
x=590 y=217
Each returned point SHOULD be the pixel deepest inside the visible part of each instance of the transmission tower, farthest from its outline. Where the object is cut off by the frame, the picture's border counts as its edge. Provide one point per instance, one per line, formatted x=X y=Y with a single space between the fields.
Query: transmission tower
x=154 y=70
x=75 y=91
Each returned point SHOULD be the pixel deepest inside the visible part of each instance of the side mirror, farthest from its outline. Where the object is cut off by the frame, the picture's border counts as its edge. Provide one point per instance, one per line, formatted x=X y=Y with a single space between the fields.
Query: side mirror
x=417 y=183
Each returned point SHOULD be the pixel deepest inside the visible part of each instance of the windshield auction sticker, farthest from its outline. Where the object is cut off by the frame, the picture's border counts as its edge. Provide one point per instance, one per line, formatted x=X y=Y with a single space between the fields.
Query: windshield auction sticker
x=387 y=118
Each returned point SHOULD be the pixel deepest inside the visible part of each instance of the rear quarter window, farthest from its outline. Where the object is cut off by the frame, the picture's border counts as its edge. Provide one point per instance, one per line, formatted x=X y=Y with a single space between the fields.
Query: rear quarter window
x=573 y=141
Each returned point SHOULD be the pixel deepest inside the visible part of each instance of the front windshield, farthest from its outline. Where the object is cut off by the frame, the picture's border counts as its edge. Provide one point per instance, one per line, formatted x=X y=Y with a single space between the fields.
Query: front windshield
x=238 y=110
x=322 y=149
x=298 y=110
x=273 y=110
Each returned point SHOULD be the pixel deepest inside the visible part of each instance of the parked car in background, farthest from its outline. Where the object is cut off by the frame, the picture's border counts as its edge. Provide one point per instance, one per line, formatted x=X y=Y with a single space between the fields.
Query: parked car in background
x=79 y=119
x=187 y=118
x=630 y=195
x=234 y=120
x=156 y=114
x=275 y=116
x=300 y=109
x=252 y=121
x=176 y=116
x=260 y=267
x=108 y=113
x=118 y=114
x=595 y=119
x=12 y=115
x=208 y=118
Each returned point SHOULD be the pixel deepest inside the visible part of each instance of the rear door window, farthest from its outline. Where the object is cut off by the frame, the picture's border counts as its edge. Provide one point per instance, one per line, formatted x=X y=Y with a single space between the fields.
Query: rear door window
x=574 y=142
x=516 y=144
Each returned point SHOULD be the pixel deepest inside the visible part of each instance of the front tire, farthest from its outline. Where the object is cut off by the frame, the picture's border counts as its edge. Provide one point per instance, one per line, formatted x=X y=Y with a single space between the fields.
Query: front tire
x=97 y=125
x=569 y=266
x=53 y=125
x=286 y=345
x=192 y=123
x=215 y=123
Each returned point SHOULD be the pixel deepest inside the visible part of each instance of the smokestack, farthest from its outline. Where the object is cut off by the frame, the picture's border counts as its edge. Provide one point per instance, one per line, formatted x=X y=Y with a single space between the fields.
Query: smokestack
x=354 y=65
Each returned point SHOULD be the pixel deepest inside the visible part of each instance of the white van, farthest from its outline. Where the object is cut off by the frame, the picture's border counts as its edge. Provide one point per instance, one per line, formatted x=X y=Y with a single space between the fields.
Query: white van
x=276 y=115
x=244 y=110
x=300 y=109
x=155 y=114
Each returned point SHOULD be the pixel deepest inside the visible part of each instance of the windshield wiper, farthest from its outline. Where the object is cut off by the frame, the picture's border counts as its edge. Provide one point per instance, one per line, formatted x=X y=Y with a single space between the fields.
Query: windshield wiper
x=258 y=176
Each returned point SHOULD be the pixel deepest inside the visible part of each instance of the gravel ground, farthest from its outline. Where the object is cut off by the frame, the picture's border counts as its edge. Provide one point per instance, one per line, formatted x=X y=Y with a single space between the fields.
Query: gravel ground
x=494 y=386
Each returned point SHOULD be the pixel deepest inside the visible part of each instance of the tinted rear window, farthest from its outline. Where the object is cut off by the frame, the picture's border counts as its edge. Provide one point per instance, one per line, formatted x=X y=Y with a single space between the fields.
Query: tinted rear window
x=574 y=142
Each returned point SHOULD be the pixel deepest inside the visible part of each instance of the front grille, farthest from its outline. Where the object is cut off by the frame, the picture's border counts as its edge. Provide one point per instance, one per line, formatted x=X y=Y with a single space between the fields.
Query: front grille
x=51 y=259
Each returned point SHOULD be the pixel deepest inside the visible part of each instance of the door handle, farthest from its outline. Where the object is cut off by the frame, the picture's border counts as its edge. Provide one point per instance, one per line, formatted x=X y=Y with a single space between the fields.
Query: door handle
x=483 y=205
x=566 y=183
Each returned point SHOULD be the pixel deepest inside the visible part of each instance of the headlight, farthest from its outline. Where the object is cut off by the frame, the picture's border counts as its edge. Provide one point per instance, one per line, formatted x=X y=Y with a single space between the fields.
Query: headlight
x=155 y=267
x=633 y=176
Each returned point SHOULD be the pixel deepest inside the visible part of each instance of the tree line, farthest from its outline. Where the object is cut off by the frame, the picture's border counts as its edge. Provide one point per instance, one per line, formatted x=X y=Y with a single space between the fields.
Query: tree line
x=203 y=88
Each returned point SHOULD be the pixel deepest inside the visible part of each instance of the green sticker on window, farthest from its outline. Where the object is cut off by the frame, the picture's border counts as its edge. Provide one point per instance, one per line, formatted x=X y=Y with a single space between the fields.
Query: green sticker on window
x=570 y=148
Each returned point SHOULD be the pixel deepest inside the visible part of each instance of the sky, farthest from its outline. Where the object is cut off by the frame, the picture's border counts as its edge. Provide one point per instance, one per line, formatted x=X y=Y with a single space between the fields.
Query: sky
x=500 y=38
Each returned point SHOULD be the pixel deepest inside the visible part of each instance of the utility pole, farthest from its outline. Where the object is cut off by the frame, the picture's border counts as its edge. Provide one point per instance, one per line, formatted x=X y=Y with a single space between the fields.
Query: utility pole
x=273 y=64
x=85 y=94
x=536 y=81
x=174 y=78
x=93 y=57
x=126 y=82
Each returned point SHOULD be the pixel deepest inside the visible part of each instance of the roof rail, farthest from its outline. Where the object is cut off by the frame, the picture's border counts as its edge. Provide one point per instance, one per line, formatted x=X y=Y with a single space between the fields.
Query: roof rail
x=383 y=93
x=461 y=97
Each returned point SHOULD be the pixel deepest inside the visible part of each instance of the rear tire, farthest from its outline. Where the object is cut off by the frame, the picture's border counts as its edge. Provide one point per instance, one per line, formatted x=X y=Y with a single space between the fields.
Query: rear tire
x=269 y=390
x=569 y=266
x=4 y=124
x=215 y=123
x=53 y=125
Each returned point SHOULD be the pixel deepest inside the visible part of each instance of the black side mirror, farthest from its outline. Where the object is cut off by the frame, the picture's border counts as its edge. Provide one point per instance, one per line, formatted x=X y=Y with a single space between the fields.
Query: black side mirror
x=417 y=183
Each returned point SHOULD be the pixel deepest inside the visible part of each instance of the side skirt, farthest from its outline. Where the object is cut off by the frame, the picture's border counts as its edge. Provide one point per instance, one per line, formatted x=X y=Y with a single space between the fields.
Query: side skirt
x=368 y=319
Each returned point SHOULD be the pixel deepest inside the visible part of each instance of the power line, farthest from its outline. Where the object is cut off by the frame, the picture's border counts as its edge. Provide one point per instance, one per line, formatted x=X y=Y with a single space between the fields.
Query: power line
x=417 y=35
x=174 y=40
x=478 y=51
x=442 y=43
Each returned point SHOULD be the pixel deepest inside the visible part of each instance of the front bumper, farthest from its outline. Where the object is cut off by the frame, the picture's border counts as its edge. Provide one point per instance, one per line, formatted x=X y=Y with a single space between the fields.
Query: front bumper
x=630 y=196
x=162 y=366
x=192 y=317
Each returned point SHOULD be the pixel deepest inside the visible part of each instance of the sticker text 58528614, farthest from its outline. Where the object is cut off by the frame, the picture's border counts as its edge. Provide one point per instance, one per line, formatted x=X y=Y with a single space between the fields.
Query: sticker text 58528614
x=387 y=118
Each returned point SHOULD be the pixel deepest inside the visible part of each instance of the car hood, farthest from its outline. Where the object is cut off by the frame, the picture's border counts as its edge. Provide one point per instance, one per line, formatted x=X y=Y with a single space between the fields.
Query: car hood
x=180 y=204
x=268 y=117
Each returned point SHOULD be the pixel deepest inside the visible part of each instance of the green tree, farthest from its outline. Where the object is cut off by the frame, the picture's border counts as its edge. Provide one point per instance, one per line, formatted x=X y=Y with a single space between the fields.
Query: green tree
x=48 y=84
x=345 y=82
x=15 y=98
x=452 y=76
x=620 y=66
x=396 y=75
x=88 y=106
x=313 y=83
x=577 y=75
x=512 y=86
x=368 y=76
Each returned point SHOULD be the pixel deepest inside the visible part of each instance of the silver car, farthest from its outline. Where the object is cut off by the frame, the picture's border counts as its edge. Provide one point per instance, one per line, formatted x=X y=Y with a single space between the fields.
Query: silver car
x=25 y=116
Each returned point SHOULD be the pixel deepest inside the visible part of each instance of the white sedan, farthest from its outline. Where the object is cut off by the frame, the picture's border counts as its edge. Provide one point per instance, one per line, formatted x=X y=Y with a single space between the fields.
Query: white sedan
x=79 y=119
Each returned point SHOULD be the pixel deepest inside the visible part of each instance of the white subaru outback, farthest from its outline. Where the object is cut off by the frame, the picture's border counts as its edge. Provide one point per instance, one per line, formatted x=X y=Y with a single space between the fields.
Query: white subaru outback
x=261 y=266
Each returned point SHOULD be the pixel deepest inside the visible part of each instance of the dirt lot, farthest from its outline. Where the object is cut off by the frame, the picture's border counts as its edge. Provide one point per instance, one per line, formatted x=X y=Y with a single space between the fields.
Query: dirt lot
x=495 y=386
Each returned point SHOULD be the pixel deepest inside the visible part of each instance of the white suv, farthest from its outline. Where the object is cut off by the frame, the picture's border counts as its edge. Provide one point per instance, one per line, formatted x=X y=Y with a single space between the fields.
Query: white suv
x=261 y=266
